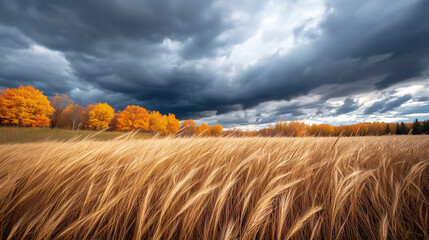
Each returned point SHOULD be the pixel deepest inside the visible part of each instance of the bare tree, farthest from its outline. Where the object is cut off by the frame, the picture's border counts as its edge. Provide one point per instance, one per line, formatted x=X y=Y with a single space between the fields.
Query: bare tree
x=59 y=103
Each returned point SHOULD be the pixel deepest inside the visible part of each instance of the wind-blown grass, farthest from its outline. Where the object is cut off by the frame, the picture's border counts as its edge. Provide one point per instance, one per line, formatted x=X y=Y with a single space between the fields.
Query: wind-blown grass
x=217 y=188
x=25 y=135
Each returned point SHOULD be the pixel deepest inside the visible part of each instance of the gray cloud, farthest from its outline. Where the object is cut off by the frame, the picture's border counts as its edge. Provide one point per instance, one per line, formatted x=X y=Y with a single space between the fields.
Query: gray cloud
x=348 y=51
x=423 y=99
x=349 y=105
x=23 y=63
x=164 y=54
x=385 y=105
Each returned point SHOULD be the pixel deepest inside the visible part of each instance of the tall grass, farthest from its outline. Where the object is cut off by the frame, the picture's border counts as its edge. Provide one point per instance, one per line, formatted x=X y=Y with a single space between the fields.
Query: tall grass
x=217 y=188
x=24 y=135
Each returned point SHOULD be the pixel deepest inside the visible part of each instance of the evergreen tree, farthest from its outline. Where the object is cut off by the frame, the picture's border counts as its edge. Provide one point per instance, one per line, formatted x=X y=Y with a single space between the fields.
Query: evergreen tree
x=398 y=129
x=416 y=127
x=404 y=128
x=387 y=129
x=426 y=127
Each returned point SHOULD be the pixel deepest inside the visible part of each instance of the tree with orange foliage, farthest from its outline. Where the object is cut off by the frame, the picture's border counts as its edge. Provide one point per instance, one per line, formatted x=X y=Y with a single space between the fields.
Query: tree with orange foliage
x=59 y=103
x=132 y=118
x=23 y=107
x=215 y=130
x=204 y=130
x=100 y=116
x=321 y=130
x=292 y=128
x=296 y=128
x=173 y=125
x=189 y=128
x=85 y=116
x=74 y=115
x=158 y=123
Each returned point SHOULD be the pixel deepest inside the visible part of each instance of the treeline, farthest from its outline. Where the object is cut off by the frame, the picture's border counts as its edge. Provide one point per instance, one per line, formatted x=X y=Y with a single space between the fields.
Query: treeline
x=28 y=107
x=296 y=129
x=190 y=128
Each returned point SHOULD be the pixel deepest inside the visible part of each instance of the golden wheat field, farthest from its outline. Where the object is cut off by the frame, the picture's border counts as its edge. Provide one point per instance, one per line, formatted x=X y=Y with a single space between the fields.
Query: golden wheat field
x=216 y=188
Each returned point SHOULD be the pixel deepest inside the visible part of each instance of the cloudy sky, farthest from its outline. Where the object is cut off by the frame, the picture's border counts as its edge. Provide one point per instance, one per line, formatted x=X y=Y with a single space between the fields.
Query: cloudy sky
x=236 y=63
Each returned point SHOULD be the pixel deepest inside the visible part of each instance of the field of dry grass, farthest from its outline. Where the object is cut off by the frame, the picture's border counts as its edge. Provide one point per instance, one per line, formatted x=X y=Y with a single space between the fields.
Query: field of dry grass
x=24 y=135
x=217 y=188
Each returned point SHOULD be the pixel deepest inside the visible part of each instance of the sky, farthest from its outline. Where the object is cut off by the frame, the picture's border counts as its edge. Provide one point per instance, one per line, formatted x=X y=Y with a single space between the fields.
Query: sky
x=239 y=63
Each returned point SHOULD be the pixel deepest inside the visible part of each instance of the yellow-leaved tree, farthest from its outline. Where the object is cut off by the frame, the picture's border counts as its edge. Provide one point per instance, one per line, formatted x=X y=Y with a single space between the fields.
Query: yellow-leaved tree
x=204 y=130
x=215 y=130
x=24 y=107
x=132 y=118
x=100 y=116
x=173 y=125
x=158 y=123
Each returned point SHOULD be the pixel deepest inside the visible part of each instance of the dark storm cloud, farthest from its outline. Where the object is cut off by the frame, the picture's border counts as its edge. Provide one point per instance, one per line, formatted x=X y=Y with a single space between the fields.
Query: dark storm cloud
x=147 y=52
x=22 y=63
x=81 y=26
x=116 y=46
x=389 y=104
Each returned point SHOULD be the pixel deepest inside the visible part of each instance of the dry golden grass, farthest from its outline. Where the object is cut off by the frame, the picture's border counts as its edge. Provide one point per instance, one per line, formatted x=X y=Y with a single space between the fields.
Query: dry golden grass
x=217 y=188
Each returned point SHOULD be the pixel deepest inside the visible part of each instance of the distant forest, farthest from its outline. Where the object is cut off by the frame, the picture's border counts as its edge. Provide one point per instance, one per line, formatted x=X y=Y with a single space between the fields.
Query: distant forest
x=296 y=129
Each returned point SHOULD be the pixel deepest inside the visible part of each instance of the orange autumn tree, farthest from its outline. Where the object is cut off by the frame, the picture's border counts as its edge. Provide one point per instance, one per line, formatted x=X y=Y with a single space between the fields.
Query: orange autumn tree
x=189 y=128
x=204 y=130
x=321 y=130
x=24 y=107
x=100 y=116
x=132 y=118
x=85 y=115
x=158 y=123
x=173 y=125
x=215 y=130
